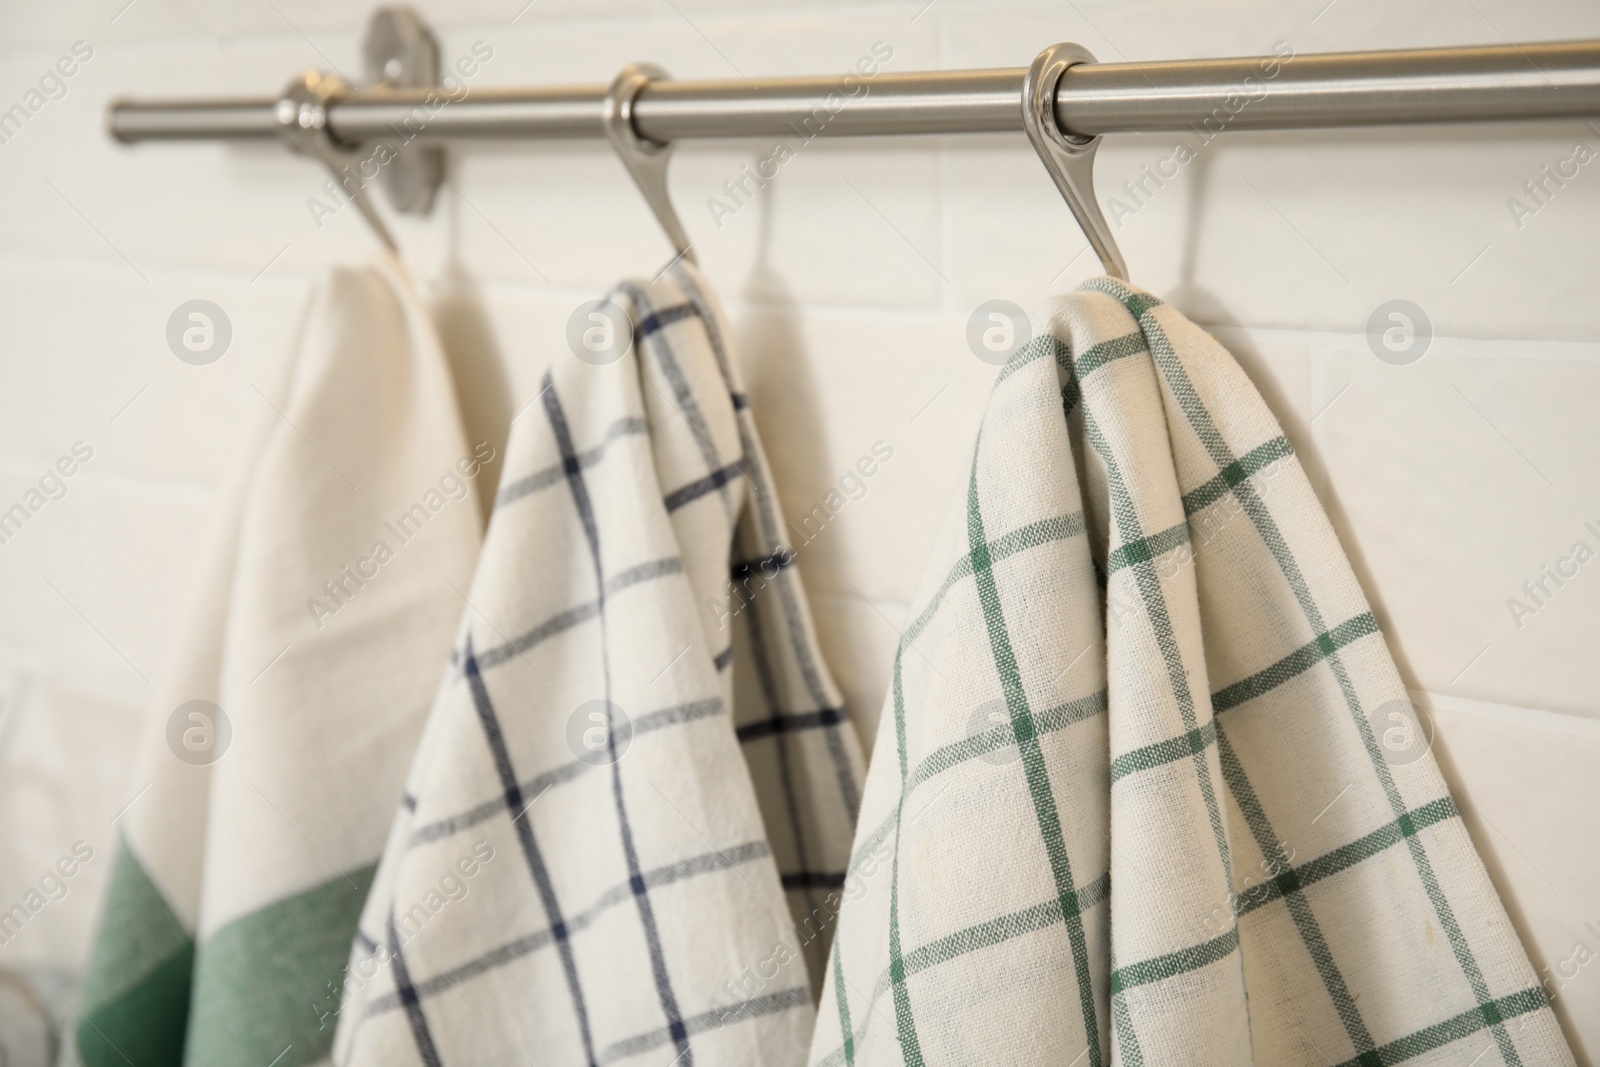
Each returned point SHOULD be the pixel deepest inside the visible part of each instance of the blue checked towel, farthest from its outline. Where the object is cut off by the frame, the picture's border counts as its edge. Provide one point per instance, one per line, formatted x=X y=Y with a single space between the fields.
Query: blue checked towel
x=635 y=795
x=1148 y=789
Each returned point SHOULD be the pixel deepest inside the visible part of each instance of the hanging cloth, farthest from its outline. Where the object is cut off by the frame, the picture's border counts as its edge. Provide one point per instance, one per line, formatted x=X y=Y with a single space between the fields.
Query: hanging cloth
x=1148 y=789
x=626 y=823
x=323 y=606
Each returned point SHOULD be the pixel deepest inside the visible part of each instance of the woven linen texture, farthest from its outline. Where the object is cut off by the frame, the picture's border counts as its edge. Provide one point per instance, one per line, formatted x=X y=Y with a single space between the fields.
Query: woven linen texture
x=636 y=792
x=1147 y=788
x=321 y=610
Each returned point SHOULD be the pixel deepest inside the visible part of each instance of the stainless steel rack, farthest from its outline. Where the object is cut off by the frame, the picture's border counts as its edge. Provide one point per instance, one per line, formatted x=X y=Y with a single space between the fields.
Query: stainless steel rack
x=1065 y=102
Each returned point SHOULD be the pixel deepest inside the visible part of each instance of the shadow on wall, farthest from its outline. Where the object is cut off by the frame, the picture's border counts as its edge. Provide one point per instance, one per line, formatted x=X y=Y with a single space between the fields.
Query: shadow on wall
x=778 y=376
x=476 y=363
x=1204 y=306
x=771 y=350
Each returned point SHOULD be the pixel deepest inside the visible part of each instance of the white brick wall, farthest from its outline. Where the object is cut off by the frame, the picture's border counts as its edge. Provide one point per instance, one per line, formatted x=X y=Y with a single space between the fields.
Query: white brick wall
x=1452 y=480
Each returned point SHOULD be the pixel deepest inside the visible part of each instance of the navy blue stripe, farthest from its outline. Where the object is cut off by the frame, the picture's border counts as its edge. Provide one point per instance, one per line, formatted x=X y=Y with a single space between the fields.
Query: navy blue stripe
x=530 y=847
x=706 y=863
x=814 y=880
x=740 y=402
x=788 y=724
x=658 y=320
x=562 y=773
x=566 y=620
x=718 y=1017
x=767 y=519
x=641 y=892
x=543 y=479
x=709 y=484
x=723 y=658
x=770 y=698
x=408 y=996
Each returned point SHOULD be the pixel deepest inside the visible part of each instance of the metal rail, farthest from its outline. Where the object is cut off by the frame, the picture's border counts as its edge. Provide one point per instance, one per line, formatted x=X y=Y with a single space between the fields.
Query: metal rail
x=1531 y=81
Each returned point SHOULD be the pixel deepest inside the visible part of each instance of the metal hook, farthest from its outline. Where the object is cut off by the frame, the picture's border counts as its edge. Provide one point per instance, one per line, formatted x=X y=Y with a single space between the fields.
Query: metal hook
x=302 y=114
x=646 y=160
x=1069 y=159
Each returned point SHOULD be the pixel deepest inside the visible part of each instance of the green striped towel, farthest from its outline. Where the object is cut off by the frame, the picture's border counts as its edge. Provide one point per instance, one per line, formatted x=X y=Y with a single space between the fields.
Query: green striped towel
x=244 y=861
x=1148 y=789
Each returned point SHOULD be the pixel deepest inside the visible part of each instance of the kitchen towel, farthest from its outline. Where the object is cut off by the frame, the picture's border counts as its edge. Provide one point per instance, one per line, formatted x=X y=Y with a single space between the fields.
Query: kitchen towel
x=1148 y=789
x=325 y=604
x=623 y=835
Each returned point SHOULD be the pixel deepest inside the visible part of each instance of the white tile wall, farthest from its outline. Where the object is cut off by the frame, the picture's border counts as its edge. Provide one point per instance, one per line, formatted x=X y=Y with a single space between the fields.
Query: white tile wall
x=851 y=276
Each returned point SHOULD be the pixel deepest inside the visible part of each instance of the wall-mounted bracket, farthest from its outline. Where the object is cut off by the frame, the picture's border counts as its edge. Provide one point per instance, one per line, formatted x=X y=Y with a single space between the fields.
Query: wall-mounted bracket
x=401 y=53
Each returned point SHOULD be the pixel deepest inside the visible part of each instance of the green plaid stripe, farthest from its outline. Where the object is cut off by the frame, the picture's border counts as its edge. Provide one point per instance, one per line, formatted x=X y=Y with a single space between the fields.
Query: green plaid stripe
x=1031 y=535
x=1152 y=1009
x=983 y=935
x=848 y=1051
x=1044 y=346
x=1192 y=743
x=1127 y=523
x=987 y=934
x=1092 y=359
x=1174 y=963
x=1040 y=916
x=1149 y=585
x=1096 y=356
x=1346 y=856
x=1232 y=473
x=942 y=759
x=1305 y=922
x=1139 y=305
x=1146 y=549
x=1295 y=663
x=1230 y=477
x=1034 y=534
x=1127 y=1037
x=1490 y=1014
x=1049 y=818
x=1066 y=907
x=1195 y=740
x=905 y=1021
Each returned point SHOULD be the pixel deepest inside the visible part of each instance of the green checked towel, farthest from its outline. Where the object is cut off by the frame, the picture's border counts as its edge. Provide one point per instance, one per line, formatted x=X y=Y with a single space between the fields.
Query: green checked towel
x=637 y=789
x=323 y=610
x=1148 y=789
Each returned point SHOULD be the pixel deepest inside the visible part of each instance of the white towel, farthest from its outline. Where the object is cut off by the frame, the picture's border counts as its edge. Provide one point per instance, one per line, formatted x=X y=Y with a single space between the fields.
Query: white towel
x=1148 y=790
x=636 y=754
x=326 y=602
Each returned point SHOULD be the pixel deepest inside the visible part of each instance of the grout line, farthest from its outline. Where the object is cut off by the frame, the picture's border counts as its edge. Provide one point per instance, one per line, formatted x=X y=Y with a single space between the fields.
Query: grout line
x=1523 y=717
x=22 y=264
x=731 y=15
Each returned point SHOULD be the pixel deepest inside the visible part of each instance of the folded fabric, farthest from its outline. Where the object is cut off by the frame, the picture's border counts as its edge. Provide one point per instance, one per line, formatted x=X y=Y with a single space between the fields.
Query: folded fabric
x=1148 y=788
x=325 y=603
x=636 y=754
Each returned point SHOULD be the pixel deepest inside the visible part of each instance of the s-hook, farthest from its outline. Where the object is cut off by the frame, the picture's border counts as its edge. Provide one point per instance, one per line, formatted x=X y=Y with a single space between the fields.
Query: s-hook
x=1068 y=158
x=646 y=160
x=302 y=114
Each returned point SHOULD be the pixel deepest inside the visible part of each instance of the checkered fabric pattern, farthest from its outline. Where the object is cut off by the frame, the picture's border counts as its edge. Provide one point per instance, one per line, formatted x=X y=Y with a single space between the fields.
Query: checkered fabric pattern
x=637 y=789
x=1147 y=790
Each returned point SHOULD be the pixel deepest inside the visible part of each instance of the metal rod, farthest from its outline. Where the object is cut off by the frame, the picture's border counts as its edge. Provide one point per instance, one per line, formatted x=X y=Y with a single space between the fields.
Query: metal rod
x=1531 y=81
